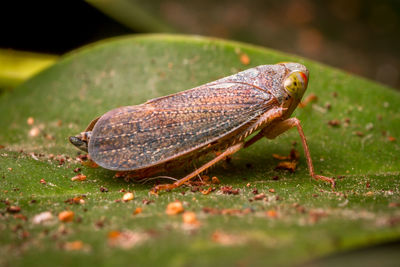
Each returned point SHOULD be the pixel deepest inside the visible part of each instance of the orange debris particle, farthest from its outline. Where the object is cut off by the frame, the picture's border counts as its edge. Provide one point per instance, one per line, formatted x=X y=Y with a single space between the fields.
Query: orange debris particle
x=113 y=234
x=79 y=177
x=227 y=239
x=189 y=217
x=272 y=213
x=128 y=197
x=206 y=192
x=244 y=59
x=287 y=165
x=215 y=180
x=30 y=121
x=66 y=216
x=74 y=245
x=137 y=210
x=307 y=100
x=34 y=132
x=174 y=208
x=90 y=163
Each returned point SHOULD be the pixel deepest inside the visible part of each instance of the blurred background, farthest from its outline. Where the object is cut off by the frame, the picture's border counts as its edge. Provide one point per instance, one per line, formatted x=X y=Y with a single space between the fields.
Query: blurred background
x=358 y=36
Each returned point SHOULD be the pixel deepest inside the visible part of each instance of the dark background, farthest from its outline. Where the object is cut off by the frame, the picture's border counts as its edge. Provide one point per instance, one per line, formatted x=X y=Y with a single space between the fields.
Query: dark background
x=359 y=36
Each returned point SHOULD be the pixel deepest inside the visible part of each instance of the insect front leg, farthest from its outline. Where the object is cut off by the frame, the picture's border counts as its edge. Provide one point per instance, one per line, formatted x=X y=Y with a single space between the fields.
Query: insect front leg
x=229 y=151
x=283 y=126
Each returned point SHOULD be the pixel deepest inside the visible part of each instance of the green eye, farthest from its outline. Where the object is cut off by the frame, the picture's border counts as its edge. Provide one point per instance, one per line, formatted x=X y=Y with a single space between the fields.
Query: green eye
x=296 y=83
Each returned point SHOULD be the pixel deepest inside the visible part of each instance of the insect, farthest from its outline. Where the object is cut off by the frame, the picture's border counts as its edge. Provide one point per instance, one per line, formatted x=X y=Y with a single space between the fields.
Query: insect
x=219 y=116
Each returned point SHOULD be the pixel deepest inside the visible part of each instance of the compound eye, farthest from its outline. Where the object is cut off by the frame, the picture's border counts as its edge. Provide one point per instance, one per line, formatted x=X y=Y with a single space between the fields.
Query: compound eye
x=296 y=83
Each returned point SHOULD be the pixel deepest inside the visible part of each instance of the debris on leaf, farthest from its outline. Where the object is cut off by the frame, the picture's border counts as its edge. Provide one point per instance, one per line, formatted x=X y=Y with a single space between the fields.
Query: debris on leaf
x=369 y=126
x=42 y=217
x=288 y=162
x=79 y=177
x=34 y=132
x=358 y=133
x=147 y=201
x=75 y=200
x=294 y=155
x=174 y=208
x=244 y=59
x=87 y=161
x=30 y=121
x=328 y=106
x=215 y=211
x=189 y=218
x=346 y=122
x=137 y=211
x=215 y=180
x=272 y=214
x=206 y=192
x=66 y=216
x=260 y=196
x=13 y=209
x=126 y=239
x=279 y=157
x=229 y=190
x=287 y=165
x=20 y=216
x=227 y=239
x=82 y=157
x=316 y=215
x=75 y=245
x=103 y=189
x=334 y=123
x=299 y=208
x=236 y=211
x=128 y=197
x=205 y=179
x=100 y=223
x=90 y=163
x=310 y=98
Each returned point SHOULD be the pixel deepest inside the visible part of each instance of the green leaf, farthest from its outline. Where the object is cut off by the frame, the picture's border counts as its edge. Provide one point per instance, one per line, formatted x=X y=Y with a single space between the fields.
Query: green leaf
x=18 y=66
x=301 y=221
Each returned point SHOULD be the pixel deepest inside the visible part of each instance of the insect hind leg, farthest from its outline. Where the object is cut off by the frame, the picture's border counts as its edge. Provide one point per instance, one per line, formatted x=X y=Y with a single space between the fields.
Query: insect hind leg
x=146 y=180
x=229 y=151
x=283 y=126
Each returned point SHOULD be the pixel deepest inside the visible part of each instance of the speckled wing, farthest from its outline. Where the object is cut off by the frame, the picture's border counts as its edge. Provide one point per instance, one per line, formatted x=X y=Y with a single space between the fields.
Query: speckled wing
x=136 y=137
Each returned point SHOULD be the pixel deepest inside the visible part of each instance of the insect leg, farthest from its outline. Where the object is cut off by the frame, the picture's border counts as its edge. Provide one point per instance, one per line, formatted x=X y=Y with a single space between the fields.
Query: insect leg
x=283 y=126
x=262 y=123
x=254 y=139
x=229 y=151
